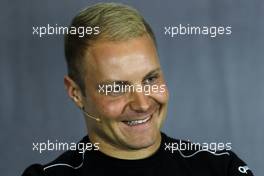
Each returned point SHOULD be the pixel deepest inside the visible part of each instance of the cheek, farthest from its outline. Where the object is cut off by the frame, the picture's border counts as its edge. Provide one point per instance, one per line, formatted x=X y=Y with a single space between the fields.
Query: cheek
x=161 y=96
x=109 y=108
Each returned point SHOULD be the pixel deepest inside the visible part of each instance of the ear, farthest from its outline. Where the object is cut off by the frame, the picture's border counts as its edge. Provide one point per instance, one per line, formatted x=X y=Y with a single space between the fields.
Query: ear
x=73 y=90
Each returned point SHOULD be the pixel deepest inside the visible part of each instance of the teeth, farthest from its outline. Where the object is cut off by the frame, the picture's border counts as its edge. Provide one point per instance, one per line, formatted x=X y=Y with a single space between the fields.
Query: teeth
x=136 y=122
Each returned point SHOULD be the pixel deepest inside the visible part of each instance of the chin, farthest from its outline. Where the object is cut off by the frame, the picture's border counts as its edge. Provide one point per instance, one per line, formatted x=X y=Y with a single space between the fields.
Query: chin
x=136 y=142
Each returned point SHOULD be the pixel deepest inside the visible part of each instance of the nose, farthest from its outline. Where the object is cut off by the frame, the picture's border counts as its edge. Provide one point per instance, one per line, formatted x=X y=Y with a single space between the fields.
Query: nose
x=140 y=102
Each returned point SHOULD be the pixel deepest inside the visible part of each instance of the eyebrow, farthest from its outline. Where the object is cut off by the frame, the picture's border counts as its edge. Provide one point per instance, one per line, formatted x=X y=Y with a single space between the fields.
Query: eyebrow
x=123 y=82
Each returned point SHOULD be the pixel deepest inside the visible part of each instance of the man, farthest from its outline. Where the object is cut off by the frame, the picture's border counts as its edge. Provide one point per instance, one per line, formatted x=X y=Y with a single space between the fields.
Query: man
x=115 y=78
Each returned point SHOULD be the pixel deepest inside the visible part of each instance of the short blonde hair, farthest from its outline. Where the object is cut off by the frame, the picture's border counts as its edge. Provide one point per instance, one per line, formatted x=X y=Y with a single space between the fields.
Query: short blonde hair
x=116 y=22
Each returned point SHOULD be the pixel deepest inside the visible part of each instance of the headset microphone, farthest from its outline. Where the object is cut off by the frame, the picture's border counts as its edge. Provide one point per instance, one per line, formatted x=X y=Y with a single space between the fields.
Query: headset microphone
x=92 y=117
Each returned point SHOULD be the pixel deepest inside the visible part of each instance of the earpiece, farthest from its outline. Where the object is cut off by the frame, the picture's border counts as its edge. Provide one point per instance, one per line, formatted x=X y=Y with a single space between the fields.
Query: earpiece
x=75 y=98
x=88 y=115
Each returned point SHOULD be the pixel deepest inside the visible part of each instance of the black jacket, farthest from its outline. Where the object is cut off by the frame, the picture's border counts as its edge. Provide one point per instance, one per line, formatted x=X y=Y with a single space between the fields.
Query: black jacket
x=164 y=162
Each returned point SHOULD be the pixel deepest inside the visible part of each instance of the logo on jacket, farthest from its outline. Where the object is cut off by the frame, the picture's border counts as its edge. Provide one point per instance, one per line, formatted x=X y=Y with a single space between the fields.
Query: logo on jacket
x=243 y=169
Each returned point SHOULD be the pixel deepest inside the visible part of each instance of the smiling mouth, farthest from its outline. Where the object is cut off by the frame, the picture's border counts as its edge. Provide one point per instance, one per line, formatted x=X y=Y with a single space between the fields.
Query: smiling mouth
x=137 y=122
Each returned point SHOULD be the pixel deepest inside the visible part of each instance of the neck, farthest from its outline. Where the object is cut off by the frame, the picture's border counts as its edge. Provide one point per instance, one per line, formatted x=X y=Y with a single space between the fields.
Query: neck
x=124 y=153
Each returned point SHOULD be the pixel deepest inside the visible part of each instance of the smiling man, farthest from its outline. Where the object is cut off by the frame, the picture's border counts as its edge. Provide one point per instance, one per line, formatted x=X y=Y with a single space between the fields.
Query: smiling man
x=115 y=78
x=128 y=121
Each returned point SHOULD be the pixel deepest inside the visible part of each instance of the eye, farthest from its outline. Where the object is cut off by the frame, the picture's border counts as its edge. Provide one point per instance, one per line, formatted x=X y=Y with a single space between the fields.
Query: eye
x=116 y=92
x=117 y=89
x=108 y=89
x=151 y=79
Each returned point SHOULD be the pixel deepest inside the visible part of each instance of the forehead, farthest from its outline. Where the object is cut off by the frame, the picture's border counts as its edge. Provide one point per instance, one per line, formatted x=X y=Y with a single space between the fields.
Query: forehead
x=122 y=60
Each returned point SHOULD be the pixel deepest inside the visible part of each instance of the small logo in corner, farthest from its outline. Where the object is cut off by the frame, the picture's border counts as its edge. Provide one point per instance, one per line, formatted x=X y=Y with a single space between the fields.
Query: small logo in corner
x=243 y=169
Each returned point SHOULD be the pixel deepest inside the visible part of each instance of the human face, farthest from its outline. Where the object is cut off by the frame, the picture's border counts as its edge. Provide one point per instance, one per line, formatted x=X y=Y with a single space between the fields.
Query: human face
x=133 y=62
